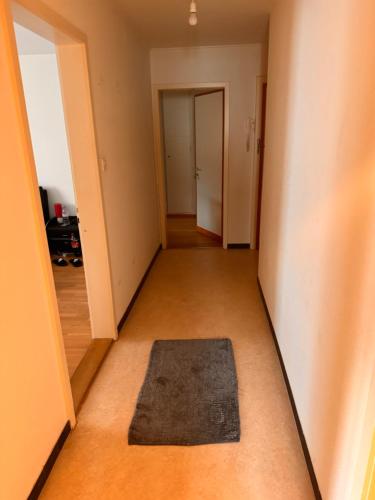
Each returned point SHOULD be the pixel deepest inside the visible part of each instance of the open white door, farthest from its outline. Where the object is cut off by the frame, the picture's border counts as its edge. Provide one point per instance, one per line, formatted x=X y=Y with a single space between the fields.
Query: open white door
x=209 y=118
x=179 y=153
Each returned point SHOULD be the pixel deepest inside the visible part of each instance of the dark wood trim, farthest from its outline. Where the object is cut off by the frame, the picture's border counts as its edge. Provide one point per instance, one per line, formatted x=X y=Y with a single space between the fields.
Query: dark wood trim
x=182 y=216
x=208 y=233
x=222 y=166
x=134 y=298
x=238 y=246
x=261 y=160
x=305 y=448
x=43 y=476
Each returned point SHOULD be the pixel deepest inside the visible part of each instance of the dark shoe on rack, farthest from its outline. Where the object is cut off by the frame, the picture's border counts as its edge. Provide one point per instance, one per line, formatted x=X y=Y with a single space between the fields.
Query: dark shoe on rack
x=76 y=262
x=60 y=262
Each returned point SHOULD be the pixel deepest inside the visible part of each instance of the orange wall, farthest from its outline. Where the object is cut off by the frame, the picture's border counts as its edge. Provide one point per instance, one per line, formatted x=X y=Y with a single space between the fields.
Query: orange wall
x=317 y=247
x=34 y=403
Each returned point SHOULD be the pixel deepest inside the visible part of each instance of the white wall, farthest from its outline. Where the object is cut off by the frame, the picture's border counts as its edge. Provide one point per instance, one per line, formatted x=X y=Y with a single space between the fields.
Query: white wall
x=179 y=152
x=41 y=86
x=317 y=248
x=238 y=65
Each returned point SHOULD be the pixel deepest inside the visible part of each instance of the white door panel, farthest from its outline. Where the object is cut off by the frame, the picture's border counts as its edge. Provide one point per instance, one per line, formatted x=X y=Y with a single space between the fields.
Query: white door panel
x=179 y=157
x=209 y=160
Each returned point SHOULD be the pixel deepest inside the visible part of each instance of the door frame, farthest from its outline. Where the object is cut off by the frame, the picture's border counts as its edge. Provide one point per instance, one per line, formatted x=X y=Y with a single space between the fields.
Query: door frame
x=255 y=177
x=157 y=90
x=71 y=52
x=199 y=229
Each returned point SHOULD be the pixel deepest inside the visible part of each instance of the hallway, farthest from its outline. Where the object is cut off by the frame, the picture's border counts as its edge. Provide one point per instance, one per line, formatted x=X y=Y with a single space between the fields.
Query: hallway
x=193 y=293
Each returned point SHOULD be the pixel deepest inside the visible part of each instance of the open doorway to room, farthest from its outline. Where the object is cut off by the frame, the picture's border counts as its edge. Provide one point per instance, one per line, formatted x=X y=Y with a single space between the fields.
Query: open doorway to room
x=192 y=128
x=42 y=91
x=193 y=125
x=58 y=134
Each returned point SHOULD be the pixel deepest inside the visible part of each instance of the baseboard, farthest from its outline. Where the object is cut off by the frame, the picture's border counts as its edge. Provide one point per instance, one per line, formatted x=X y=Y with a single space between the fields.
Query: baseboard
x=238 y=246
x=43 y=476
x=134 y=298
x=182 y=216
x=305 y=448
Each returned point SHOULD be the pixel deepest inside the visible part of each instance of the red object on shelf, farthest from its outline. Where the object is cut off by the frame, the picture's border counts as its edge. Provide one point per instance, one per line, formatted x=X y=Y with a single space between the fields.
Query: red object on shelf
x=58 y=210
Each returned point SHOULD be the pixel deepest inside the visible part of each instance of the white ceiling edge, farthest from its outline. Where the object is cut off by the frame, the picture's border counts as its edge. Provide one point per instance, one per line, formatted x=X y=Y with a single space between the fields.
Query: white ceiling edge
x=29 y=43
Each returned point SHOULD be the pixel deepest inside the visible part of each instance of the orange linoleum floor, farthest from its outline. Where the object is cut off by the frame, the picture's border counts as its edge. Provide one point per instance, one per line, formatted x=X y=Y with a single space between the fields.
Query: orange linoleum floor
x=195 y=293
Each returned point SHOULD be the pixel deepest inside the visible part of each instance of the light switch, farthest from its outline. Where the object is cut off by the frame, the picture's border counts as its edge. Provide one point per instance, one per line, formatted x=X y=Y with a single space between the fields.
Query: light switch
x=103 y=164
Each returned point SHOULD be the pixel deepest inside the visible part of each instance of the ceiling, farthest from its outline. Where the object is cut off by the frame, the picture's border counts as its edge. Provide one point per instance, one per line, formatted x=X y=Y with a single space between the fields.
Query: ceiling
x=164 y=23
x=29 y=42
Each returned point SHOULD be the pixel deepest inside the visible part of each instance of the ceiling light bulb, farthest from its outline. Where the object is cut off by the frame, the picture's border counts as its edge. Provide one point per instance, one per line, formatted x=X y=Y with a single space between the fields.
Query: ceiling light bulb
x=193 y=20
x=193 y=7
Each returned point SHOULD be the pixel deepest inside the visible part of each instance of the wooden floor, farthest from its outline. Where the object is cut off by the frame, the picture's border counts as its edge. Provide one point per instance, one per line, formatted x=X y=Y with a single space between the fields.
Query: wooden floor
x=74 y=312
x=182 y=233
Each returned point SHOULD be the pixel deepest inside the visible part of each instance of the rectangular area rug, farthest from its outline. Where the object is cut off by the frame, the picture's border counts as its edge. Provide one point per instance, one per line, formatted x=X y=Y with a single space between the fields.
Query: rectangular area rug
x=189 y=396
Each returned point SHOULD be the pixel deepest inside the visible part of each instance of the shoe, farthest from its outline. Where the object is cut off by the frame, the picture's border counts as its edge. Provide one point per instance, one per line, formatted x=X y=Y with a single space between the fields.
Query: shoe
x=60 y=262
x=76 y=262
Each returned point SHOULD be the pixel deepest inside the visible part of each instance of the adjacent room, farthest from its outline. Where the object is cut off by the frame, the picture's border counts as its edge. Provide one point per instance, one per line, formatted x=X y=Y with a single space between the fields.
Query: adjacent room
x=193 y=129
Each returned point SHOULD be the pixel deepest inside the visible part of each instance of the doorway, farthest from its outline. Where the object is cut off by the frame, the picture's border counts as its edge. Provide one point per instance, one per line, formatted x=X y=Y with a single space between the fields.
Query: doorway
x=42 y=91
x=193 y=150
x=94 y=291
x=191 y=146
